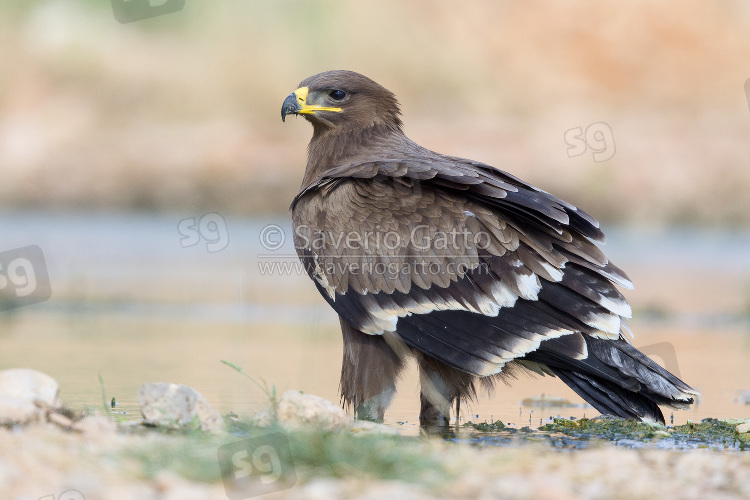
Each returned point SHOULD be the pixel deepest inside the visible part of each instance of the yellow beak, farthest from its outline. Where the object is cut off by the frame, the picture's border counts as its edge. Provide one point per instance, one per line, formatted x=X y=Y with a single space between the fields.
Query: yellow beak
x=296 y=104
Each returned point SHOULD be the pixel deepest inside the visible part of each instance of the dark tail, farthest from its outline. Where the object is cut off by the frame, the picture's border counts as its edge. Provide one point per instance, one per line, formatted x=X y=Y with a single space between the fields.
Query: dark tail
x=617 y=379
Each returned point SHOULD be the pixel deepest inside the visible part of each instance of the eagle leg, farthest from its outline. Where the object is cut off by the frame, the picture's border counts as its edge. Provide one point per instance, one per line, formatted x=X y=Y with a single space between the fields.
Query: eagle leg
x=435 y=399
x=368 y=374
x=441 y=387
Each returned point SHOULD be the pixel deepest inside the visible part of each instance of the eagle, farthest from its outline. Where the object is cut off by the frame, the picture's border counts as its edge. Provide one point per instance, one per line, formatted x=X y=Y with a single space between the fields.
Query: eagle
x=471 y=271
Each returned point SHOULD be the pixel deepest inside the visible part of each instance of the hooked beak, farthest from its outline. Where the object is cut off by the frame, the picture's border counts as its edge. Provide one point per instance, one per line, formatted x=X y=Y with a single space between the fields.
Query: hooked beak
x=296 y=104
x=290 y=106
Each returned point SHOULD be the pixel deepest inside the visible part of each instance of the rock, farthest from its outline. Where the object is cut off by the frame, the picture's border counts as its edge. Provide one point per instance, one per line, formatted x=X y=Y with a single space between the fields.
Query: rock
x=29 y=385
x=60 y=419
x=743 y=428
x=363 y=427
x=172 y=405
x=95 y=424
x=18 y=411
x=264 y=418
x=734 y=421
x=297 y=411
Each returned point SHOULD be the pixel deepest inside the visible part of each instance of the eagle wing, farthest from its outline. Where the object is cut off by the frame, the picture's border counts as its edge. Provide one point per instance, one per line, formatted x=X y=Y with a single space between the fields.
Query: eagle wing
x=469 y=264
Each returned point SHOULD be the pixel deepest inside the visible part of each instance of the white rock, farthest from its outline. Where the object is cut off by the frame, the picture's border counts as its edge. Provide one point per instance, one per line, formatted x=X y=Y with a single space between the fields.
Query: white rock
x=743 y=428
x=264 y=418
x=29 y=385
x=19 y=411
x=96 y=424
x=363 y=427
x=297 y=411
x=176 y=404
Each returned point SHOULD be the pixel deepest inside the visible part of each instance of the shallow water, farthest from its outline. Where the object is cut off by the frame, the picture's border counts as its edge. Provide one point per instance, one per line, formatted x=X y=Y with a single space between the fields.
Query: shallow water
x=133 y=305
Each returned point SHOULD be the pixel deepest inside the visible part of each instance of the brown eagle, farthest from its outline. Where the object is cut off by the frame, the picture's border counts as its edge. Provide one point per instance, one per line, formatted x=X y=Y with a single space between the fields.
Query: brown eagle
x=474 y=272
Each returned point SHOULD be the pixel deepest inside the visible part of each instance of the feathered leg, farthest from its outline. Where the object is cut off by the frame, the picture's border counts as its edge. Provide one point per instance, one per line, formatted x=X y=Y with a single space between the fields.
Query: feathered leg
x=442 y=386
x=368 y=373
x=435 y=399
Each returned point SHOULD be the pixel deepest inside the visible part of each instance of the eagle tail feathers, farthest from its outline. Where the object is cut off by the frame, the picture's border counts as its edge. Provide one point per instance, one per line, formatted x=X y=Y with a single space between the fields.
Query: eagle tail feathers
x=617 y=379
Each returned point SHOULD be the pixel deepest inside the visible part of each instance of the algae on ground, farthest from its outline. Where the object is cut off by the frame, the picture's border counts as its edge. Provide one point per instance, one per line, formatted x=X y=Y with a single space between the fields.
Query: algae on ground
x=709 y=431
x=485 y=426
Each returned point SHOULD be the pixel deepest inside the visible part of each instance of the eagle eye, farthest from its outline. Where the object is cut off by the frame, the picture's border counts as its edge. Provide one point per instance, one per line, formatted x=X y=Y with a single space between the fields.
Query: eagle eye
x=337 y=95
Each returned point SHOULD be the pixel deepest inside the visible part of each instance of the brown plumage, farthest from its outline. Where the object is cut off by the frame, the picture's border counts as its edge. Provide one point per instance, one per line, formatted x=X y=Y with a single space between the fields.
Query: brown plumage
x=467 y=268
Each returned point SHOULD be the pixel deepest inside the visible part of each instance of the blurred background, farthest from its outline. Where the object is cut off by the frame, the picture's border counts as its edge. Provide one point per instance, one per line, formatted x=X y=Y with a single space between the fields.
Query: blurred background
x=117 y=139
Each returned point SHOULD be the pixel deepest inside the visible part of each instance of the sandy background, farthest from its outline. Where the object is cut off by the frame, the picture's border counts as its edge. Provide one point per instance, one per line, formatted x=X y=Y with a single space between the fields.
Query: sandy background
x=182 y=111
